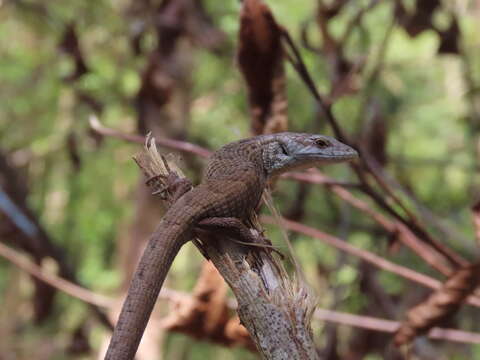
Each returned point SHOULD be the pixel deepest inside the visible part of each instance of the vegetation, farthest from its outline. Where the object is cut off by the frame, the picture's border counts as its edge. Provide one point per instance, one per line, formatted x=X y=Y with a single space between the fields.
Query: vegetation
x=403 y=79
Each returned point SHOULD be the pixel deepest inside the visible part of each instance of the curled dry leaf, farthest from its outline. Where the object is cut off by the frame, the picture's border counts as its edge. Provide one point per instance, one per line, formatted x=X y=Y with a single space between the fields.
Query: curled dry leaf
x=476 y=220
x=206 y=313
x=420 y=19
x=440 y=305
x=449 y=39
x=260 y=58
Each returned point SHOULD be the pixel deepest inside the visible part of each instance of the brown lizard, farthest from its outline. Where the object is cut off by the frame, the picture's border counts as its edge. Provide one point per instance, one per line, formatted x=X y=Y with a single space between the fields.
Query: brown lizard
x=231 y=190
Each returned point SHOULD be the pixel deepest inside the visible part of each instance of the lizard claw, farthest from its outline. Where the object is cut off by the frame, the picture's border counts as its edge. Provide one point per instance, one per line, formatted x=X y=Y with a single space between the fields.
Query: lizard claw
x=162 y=192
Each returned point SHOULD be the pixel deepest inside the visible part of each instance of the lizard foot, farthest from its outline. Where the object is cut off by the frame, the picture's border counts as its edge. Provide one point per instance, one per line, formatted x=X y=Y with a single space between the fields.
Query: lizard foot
x=170 y=186
x=239 y=231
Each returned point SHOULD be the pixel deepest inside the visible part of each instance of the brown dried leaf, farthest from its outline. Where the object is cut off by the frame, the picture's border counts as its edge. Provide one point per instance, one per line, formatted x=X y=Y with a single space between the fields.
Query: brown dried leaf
x=260 y=58
x=449 y=39
x=71 y=46
x=206 y=315
x=418 y=21
x=440 y=305
x=235 y=330
x=476 y=220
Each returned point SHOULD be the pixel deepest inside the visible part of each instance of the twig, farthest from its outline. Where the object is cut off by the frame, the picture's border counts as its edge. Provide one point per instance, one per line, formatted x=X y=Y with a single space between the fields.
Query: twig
x=409 y=238
x=168 y=143
x=381 y=179
x=297 y=62
x=92 y=298
x=66 y=286
x=356 y=20
x=363 y=254
x=389 y=326
x=394 y=227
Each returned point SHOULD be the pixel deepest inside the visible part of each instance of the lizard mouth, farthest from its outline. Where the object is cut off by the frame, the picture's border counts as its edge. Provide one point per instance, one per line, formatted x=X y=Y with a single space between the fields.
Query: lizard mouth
x=351 y=154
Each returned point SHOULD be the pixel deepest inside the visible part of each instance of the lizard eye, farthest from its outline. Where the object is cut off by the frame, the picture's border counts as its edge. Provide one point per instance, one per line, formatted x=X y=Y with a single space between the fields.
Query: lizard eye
x=321 y=143
x=284 y=149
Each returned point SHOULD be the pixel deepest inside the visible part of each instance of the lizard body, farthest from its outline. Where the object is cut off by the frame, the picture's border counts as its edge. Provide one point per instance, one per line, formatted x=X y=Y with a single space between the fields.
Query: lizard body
x=233 y=183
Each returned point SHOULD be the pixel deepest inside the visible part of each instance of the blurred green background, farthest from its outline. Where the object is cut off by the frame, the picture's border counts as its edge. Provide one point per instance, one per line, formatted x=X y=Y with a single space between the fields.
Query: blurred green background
x=83 y=189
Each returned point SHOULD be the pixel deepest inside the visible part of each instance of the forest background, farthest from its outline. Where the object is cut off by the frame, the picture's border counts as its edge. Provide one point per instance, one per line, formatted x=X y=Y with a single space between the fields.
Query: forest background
x=399 y=80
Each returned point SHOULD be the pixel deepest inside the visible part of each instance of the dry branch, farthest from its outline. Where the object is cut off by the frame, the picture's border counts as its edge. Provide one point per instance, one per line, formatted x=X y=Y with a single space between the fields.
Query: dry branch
x=392 y=226
x=232 y=328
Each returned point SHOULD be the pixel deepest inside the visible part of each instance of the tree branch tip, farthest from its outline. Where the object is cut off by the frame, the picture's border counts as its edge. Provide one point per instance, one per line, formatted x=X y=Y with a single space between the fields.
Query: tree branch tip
x=95 y=123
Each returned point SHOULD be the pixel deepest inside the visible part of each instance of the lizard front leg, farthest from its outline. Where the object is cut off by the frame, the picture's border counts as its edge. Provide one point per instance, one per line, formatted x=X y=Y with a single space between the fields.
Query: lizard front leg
x=237 y=229
x=171 y=188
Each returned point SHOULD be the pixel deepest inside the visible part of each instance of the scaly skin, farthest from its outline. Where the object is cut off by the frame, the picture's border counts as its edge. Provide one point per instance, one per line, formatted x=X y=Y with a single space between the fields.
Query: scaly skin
x=232 y=188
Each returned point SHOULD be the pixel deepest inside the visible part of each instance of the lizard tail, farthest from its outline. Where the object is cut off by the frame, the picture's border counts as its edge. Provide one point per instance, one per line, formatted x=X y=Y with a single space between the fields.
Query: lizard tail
x=147 y=281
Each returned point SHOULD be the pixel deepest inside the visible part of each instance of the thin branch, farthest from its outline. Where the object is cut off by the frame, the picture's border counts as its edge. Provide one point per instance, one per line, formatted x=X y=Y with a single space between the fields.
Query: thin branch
x=410 y=239
x=382 y=180
x=66 y=286
x=418 y=247
x=70 y=288
x=369 y=257
x=389 y=326
x=360 y=168
x=297 y=62
x=164 y=142
x=356 y=20
x=366 y=322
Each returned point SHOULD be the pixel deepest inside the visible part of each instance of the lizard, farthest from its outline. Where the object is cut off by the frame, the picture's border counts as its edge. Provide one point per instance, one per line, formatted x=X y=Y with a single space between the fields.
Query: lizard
x=228 y=195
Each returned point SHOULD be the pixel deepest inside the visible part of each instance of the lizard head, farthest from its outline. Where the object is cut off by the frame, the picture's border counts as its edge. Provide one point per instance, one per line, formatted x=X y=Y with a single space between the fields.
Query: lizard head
x=290 y=151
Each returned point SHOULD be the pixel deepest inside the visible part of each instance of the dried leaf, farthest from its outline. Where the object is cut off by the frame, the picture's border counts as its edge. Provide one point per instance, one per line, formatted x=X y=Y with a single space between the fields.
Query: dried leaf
x=440 y=305
x=260 y=58
x=449 y=39
x=418 y=21
x=71 y=46
x=476 y=220
x=206 y=315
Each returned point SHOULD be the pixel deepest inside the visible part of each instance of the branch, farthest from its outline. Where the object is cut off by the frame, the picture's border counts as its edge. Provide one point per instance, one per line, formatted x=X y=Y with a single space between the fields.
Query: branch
x=389 y=326
x=164 y=142
x=429 y=255
x=365 y=167
x=66 y=286
x=92 y=298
